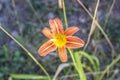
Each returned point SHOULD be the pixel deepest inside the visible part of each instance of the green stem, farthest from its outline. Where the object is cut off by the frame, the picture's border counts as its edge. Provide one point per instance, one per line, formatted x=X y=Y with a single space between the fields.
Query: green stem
x=30 y=54
x=78 y=66
x=72 y=57
x=64 y=13
x=109 y=66
x=36 y=14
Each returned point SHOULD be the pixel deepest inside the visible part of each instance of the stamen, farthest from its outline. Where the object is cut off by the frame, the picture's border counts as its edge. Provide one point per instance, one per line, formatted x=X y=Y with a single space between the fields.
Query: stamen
x=60 y=40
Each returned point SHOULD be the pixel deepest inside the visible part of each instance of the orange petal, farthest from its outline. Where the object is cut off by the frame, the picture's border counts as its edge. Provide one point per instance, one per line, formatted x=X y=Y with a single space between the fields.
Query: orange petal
x=74 y=42
x=56 y=25
x=71 y=30
x=62 y=54
x=47 y=32
x=46 y=48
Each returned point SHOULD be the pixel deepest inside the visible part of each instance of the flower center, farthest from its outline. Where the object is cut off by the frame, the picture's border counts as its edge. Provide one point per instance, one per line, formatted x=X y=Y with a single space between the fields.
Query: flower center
x=60 y=40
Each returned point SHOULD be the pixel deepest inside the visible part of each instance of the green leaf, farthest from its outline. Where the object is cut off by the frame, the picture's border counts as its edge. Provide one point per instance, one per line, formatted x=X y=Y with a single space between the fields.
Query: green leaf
x=79 y=66
x=97 y=62
x=28 y=76
x=90 y=58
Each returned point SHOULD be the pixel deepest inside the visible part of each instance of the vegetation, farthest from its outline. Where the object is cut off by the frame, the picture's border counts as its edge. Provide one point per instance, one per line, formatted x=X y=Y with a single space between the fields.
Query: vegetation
x=22 y=21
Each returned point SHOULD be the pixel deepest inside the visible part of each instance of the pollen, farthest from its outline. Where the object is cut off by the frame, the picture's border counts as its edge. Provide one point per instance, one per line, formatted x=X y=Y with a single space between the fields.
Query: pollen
x=60 y=40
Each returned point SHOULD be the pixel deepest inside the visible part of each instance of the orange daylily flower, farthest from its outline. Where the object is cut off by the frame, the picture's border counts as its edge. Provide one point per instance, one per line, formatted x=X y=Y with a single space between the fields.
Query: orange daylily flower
x=59 y=39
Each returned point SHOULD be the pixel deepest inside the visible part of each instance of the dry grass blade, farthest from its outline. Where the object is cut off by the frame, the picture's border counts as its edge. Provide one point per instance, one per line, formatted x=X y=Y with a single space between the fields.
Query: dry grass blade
x=93 y=26
x=64 y=65
x=87 y=74
x=26 y=50
x=98 y=25
x=60 y=4
x=60 y=68
x=109 y=66
x=108 y=14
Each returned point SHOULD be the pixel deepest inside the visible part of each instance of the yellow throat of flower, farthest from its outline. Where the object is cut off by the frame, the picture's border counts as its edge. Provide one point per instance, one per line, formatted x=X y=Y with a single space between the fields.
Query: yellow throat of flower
x=60 y=40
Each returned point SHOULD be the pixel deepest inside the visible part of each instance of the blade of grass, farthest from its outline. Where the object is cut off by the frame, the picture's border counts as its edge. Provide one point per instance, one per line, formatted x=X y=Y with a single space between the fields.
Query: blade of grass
x=97 y=65
x=97 y=62
x=29 y=53
x=60 y=68
x=100 y=28
x=108 y=14
x=93 y=60
x=93 y=26
x=64 y=65
x=64 y=13
x=79 y=66
x=87 y=74
x=114 y=61
x=60 y=4
x=28 y=76
x=90 y=58
x=36 y=14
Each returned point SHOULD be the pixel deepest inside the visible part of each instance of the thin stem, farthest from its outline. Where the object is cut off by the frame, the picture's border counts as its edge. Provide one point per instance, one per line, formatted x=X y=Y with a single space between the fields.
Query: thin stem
x=109 y=66
x=93 y=26
x=108 y=14
x=64 y=13
x=100 y=28
x=30 y=54
x=79 y=66
x=81 y=72
x=71 y=55
x=77 y=63
x=36 y=14
x=73 y=59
